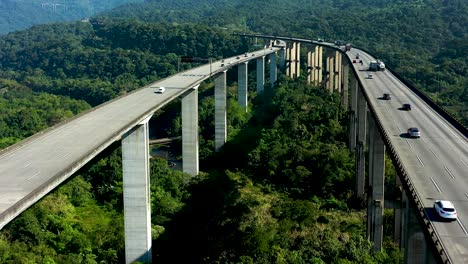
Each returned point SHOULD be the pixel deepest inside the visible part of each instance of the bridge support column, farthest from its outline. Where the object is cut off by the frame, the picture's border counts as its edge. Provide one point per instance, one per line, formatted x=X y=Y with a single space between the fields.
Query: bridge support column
x=375 y=202
x=397 y=213
x=352 y=114
x=361 y=146
x=331 y=74
x=282 y=55
x=417 y=250
x=298 y=60
x=260 y=74
x=337 y=72
x=344 y=94
x=310 y=67
x=273 y=69
x=242 y=85
x=220 y=111
x=318 y=65
x=190 y=163
x=289 y=47
x=136 y=192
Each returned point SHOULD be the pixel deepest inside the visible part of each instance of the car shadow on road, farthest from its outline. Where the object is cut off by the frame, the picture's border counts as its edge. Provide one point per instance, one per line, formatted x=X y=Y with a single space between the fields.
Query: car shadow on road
x=405 y=135
x=433 y=216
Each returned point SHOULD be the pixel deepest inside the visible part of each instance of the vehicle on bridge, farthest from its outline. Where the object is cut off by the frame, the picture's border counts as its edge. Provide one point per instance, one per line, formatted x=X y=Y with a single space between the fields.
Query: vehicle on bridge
x=160 y=90
x=377 y=65
x=406 y=107
x=348 y=47
x=413 y=132
x=445 y=209
x=387 y=96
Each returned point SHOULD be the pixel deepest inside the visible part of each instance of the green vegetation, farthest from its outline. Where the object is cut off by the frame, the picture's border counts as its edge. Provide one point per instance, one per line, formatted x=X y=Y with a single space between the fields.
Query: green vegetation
x=425 y=41
x=281 y=189
x=16 y=14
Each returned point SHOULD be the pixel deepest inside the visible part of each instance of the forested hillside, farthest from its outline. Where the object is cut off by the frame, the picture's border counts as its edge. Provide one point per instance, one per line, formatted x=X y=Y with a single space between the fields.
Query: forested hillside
x=286 y=197
x=423 y=40
x=21 y=14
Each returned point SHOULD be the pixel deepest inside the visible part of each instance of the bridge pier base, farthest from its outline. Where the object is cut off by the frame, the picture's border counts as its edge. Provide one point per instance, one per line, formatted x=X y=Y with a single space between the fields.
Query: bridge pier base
x=375 y=202
x=273 y=69
x=330 y=73
x=344 y=94
x=318 y=74
x=190 y=163
x=352 y=114
x=242 y=85
x=282 y=55
x=297 y=63
x=417 y=251
x=260 y=74
x=136 y=193
x=220 y=111
x=337 y=72
x=361 y=145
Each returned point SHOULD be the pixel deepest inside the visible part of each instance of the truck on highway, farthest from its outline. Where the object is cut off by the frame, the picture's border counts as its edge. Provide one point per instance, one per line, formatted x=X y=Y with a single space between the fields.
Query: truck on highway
x=348 y=47
x=376 y=65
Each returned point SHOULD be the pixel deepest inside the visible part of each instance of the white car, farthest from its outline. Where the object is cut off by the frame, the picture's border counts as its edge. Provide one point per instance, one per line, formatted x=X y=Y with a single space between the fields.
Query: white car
x=160 y=90
x=414 y=132
x=370 y=76
x=445 y=209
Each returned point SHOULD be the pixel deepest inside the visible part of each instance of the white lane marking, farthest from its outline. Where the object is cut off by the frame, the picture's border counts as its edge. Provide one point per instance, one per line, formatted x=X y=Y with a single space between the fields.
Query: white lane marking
x=411 y=146
x=464 y=163
x=462 y=227
x=37 y=173
x=406 y=117
x=435 y=184
x=429 y=146
x=420 y=161
x=449 y=172
x=27 y=165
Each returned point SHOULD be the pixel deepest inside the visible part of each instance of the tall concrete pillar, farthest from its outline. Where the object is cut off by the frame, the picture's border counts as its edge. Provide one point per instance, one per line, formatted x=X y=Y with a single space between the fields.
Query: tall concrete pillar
x=260 y=74
x=417 y=250
x=353 y=114
x=220 y=111
x=293 y=60
x=310 y=67
x=344 y=94
x=319 y=64
x=190 y=162
x=298 y=60
x=361 y=146
x=242 y=85
x=331 y=74
x=375 y=202
x=282 y=55
x=273 y=69
x=289 y=48
x=337 y=72
x=397 y=212
x=136 y=192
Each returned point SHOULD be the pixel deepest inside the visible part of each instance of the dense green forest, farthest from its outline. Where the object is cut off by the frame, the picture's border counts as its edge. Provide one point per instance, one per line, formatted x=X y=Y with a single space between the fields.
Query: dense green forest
x=425 y=41
x=278 y=201
x=22 y=14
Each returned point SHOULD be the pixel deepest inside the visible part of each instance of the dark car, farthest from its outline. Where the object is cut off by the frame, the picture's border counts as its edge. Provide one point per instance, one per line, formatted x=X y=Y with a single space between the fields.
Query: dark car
x=387 y=96
x=406 y=107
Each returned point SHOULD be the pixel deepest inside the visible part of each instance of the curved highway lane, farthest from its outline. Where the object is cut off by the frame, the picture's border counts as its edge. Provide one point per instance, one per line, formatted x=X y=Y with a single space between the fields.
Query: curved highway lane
x=437 y=163
x=33 y=167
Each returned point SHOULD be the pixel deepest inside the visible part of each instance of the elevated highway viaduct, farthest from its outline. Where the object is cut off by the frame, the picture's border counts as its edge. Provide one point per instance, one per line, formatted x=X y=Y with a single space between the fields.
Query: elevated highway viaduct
x=432 y=167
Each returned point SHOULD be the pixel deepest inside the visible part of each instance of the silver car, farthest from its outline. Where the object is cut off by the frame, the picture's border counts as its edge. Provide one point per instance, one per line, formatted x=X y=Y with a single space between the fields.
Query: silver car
x=414 y=132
